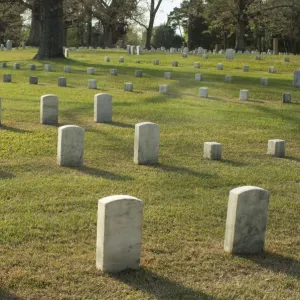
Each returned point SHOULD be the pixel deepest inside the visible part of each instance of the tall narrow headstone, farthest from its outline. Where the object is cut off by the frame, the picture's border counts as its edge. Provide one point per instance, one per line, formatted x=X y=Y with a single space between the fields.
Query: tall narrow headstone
x=146 y=143
x=246 y=220
x=103 y=108
x=8 y=45
x=297 y=78
x=119 y=233
x=70 y=146
x=49 y=109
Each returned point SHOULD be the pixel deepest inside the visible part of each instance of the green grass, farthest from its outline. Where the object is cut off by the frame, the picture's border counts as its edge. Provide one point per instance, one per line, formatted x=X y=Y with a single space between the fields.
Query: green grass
x=49 y=213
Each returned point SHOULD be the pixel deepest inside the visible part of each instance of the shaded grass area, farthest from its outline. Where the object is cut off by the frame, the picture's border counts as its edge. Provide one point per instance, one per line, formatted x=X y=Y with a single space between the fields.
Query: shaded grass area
x=48 y=213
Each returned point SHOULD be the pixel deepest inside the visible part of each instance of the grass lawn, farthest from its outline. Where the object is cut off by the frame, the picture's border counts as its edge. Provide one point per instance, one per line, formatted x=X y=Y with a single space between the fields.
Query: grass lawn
x=49 y=213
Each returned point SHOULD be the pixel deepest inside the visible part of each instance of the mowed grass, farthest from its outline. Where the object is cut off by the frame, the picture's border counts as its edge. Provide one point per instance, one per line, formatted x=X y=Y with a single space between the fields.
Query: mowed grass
x=49 y=213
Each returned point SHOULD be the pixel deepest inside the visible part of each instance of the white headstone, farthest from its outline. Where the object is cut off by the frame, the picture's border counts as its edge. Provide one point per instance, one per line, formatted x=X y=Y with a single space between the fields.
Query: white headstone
x=146 y=143
x=196 y=65
x=246 y=220
x=297 y=78
x=276 y=148
x=103 y=108
x=212 y=150
x=8 y=45
x=203 y=92
x=49 y=109
x=168 y=75
x=91 y=71
x=128 y=87
x=198 y=77
x=92 y=84
x=119 y=233
x=229 y=54
x=264 y=81
x=70 y=146
x=163 y=89
x=244 y=95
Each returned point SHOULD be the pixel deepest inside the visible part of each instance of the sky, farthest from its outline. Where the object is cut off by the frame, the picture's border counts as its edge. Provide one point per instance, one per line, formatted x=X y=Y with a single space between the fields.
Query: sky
x=165 y=8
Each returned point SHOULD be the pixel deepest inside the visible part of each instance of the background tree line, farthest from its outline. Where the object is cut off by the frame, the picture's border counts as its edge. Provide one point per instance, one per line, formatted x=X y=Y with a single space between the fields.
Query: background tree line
x=239 y=24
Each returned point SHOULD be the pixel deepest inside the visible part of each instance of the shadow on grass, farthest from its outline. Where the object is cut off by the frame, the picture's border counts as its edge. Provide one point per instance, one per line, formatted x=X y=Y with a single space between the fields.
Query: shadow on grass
x=5 y=295
x=181 y=170
x=122 y=125
x=103 y=174
x=276 y=263
x=292 y=158
x=6 y=175
x=159 y=287
x=13 y=129
x=233 y=163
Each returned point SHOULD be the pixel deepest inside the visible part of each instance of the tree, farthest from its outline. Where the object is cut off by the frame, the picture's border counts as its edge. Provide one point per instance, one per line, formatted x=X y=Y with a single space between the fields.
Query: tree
x=52 y=30
x=152 y=7
x=165 y=36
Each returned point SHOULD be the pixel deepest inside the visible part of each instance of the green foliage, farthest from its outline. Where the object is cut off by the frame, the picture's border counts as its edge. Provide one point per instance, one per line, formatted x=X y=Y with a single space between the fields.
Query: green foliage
x=11 y=22
x=165 y=36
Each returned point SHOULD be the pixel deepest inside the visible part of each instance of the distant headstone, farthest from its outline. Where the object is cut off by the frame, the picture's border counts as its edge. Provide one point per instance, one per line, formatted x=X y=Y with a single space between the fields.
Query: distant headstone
x=146 y=143
x=264 y=81
x=91 y=71
x=246 y=220
x=203 y=92
x=246 y=68
x=219 y=66
x=48 y=68
x=132 y=48
x=67 y=69
x=17 y=66
x=287 y=59
x=6 y=77
x=168 y=75
x=32 y=67
x=244 y=95
x=175 y=63
x=113 y=72
x=271 y=70
x=163 y=89
x=119 y=233
x=198 y=77
x=92 y=84
x=103 y=108
x=128 y=87
x=138 y=50
x=196 y=65
x=107 y=59
x=3 y=65
x=228 y=78
x=33 y=80
x=229 y=54
x=138 y=73
x=212 y=150
x=129 y=49
x=155 y=62
x=49 y=110
x=297 y=78
x=70 y=146
x=276 y=148
x=121 y=59
x=67 y=52
x=286 y=98
x=8 y=45
x=275 y=46
x=62 y=81
x=2 y=47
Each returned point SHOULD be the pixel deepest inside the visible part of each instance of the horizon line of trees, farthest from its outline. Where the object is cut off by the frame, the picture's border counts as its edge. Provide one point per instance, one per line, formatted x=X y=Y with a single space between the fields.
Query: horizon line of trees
x=237 y=24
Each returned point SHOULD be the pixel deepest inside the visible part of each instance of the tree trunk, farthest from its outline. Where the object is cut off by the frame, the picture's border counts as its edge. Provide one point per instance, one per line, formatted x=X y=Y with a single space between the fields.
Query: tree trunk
x=35 y=28
x=89 y=31
x=52 y=33
x=149 y=32
x=240 y=35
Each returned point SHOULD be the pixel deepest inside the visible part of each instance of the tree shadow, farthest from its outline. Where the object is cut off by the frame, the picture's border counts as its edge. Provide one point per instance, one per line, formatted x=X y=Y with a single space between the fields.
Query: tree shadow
x=13 y=129
x=276 y=263
x=159 y=287
x=233 y=163
x=6 y=295
x=292 y=158
x=6 y=175
x=103 y=174
x=181 y=170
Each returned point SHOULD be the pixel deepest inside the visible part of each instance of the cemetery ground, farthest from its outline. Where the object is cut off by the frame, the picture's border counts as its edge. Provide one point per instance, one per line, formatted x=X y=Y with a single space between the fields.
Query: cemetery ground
x=49 y=213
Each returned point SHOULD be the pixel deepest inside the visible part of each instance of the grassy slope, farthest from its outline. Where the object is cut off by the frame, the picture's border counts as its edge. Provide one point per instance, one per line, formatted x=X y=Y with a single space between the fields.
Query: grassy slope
x=48 y=213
